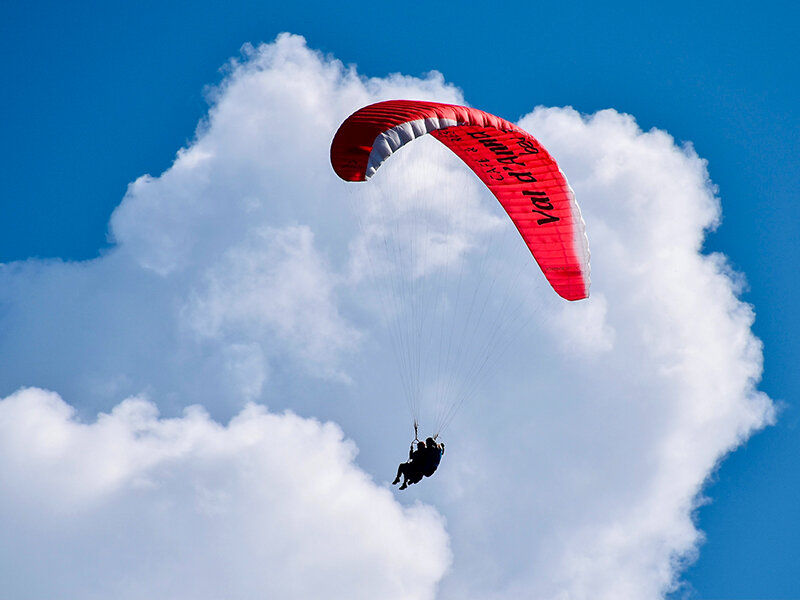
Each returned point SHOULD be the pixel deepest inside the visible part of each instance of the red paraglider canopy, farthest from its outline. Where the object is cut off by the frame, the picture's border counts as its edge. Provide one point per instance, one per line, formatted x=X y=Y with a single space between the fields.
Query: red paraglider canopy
x=514 y=166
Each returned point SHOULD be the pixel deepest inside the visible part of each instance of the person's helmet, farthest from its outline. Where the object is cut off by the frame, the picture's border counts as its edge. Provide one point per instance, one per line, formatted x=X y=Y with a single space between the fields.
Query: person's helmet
x=420 y=444
x=431 y=442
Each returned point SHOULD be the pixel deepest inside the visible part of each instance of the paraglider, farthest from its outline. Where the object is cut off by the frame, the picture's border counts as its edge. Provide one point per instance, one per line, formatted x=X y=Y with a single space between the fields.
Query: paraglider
x=522 y=176
x=422 y=462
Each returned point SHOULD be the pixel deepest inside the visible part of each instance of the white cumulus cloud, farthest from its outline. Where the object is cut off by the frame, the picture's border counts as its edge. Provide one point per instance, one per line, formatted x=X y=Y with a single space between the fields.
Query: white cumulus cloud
x=136 y=506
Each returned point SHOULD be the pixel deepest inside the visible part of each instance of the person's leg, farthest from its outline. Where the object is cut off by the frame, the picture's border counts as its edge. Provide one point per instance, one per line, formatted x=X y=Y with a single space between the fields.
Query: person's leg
x=400 y=472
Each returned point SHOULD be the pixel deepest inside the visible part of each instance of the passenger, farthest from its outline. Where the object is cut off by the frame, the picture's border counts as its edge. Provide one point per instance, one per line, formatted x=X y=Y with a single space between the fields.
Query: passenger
x=411 y=470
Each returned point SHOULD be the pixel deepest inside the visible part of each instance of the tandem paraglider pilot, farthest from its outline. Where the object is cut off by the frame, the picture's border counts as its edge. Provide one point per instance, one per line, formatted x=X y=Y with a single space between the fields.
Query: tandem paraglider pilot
x=422 y=462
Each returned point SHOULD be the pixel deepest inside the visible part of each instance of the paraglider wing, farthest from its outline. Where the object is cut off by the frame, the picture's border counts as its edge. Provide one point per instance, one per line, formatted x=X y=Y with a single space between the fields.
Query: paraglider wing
x=514 y=166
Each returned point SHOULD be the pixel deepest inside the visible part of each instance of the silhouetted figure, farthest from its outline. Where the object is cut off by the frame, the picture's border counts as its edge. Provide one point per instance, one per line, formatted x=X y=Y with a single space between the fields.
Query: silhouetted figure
x=422 y=462
x=431 y=457
x=411 y=470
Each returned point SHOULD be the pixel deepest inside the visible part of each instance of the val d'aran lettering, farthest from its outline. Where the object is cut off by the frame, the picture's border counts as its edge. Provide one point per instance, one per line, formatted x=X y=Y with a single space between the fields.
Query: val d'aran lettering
x=541 y=203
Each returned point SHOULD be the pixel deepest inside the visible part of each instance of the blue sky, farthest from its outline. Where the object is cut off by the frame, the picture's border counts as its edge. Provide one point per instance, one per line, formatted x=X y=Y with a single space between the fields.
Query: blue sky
x=98 y=95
